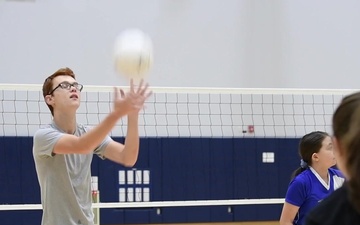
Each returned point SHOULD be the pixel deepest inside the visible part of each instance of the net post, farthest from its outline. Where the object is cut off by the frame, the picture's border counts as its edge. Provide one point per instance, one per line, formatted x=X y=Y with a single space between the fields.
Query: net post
x=95 y=194
x=96 y=211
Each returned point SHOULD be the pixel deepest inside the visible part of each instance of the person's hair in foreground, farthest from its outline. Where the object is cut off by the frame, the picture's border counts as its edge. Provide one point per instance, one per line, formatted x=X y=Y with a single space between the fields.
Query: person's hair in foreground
x=346 y=126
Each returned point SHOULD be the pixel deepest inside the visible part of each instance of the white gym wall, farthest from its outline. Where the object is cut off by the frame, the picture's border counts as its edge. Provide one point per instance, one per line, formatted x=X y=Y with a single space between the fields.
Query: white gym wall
x=213 y=43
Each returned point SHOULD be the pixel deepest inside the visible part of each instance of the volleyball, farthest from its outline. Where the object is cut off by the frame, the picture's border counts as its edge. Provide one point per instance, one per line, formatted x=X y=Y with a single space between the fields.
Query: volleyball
x=133 y=53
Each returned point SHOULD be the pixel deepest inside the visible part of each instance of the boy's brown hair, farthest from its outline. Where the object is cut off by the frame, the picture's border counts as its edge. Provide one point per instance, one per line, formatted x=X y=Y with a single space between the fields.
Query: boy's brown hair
x=48 y=83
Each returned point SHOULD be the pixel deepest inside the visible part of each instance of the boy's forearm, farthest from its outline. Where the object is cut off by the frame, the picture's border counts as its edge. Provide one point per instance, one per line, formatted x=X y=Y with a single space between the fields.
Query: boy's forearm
x=132 y=140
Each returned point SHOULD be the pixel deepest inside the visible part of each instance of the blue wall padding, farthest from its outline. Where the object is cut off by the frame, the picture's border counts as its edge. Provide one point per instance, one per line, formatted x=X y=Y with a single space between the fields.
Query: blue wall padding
x=180 y=169
x=18 y=180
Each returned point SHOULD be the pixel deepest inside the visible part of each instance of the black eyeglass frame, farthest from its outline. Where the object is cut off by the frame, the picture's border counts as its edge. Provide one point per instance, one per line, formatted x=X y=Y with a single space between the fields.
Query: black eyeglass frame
x=66 y=85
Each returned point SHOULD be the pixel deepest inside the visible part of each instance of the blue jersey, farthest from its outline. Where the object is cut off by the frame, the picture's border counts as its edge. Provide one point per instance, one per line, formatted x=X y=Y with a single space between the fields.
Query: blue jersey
x=307 y=189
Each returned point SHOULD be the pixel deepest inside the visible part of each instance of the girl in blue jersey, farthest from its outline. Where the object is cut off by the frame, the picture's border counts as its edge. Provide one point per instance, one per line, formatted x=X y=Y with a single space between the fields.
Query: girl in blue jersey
x=313 y=181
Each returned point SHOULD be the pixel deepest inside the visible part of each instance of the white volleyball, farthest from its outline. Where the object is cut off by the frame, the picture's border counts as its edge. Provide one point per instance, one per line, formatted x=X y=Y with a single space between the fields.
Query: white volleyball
x=133 y=53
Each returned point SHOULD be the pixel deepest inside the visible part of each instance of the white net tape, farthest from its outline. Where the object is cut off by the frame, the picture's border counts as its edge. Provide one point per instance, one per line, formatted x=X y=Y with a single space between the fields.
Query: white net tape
x=158 y=204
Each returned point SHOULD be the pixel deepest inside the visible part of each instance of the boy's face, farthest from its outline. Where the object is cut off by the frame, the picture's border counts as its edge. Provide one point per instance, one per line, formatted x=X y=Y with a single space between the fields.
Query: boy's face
x=65 y=96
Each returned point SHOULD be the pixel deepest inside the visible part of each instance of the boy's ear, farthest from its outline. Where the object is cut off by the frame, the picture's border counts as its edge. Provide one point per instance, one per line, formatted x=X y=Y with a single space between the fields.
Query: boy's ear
x=48 y=99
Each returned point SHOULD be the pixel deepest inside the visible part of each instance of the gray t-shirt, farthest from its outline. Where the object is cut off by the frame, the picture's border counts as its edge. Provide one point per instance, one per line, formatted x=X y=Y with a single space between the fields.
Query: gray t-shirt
x=65 y=179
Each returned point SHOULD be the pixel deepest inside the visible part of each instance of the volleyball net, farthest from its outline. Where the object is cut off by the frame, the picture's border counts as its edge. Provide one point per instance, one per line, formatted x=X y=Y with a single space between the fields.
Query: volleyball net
x=202 y=113
x=192 y=112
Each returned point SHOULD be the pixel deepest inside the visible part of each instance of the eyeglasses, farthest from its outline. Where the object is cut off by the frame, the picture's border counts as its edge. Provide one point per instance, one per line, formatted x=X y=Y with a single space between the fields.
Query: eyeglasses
x=66 y=85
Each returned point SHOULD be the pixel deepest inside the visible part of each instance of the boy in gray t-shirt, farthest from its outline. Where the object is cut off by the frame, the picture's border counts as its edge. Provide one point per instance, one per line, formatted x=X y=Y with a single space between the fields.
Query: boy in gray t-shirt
x=64 y=178
x=63 y=150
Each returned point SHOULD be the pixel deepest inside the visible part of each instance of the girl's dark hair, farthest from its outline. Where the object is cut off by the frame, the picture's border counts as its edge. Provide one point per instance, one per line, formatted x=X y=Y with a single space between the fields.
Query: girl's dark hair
x=346 y=128
x=309 y=144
